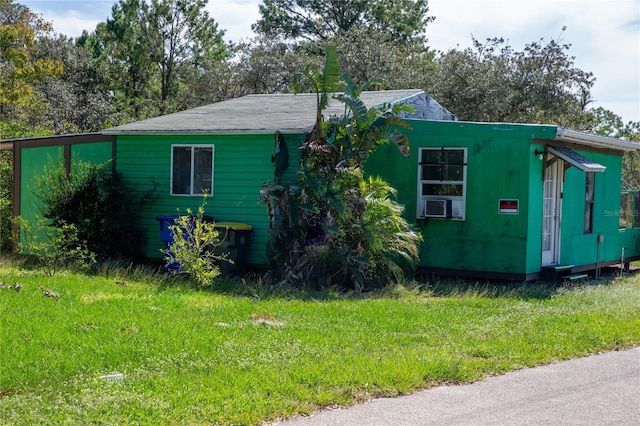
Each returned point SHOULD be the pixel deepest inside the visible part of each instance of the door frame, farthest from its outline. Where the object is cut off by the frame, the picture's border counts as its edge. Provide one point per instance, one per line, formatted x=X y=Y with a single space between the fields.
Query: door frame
x=553 y=178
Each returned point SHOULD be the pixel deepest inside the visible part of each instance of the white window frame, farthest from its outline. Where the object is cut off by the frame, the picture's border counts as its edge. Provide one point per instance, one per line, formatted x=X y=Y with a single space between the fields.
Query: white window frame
x=458 y=202
x=192 y=172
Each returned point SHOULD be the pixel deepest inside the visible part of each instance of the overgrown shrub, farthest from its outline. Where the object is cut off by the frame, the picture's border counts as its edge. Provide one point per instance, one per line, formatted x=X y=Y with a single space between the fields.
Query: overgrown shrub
x=331 y=227
x=193 y=249
x=355 y=235
x=97 y=202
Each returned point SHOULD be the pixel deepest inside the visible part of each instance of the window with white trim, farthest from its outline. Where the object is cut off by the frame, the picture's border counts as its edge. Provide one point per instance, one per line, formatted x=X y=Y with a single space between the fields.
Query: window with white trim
x=442 y=183
x=191 y=169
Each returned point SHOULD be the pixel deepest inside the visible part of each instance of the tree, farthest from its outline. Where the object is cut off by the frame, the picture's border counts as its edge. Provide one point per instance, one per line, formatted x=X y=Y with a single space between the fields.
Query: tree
x=151 y=49
x=366 y=54
x=19 y=70
x=180 y=34
x=20 y=73
x=606 y=123
x=319 y=20
x=268 y=65
x=492 y=82
x=117 y=47
x=77 y=101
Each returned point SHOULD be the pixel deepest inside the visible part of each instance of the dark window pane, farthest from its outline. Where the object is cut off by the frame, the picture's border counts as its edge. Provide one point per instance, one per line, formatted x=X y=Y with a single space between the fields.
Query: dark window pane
x=430 y=156
x=431 y=173
x=442 y=156
x=454 y=156
x=434 y=189
x=626 y=206
x=588 y=218
x=442 y=172
x=181 y=170
x=452 y=173
x=590 y=179
x=203 y=159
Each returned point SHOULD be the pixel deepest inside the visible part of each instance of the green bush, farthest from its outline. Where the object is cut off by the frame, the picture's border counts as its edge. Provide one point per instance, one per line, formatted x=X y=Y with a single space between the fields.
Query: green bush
x=97 y=202
x=193 y=249
x=355 y=235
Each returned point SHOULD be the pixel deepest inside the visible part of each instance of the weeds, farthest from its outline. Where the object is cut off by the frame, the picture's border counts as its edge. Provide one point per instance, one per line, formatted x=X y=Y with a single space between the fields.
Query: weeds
x=54 y=246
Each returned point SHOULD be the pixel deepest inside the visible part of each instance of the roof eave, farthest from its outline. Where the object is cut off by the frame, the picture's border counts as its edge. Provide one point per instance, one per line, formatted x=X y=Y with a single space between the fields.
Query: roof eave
x=582 y=138
x=205 y=132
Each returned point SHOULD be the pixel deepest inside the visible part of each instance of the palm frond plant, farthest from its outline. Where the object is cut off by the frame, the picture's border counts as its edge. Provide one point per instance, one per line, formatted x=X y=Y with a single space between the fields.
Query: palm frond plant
x=340 y=229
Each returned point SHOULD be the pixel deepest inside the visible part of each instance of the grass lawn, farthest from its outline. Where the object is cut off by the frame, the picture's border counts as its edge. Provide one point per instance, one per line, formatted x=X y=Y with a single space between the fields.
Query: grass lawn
x=248 y=355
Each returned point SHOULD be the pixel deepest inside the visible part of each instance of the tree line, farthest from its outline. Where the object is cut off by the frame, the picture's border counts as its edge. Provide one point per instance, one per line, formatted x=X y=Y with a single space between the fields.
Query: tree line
x=154 y=57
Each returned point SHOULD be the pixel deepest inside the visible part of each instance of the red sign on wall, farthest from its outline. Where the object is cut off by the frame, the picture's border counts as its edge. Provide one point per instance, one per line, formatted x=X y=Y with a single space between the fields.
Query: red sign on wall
x=508 y=206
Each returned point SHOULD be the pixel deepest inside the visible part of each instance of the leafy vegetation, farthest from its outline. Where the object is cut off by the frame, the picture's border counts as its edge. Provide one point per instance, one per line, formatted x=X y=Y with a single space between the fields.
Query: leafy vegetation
x=194 y=248
x=492 y=82
x=55 y=246
x=331 y=226
x=19 y=32
x=125 y=346
x=95 y=200
x=6 y=200
x=324 y=19
x=153 y=51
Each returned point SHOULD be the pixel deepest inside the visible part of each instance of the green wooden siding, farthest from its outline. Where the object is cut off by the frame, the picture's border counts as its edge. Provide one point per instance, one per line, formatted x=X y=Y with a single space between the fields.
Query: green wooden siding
x=498 y=167
x=242 y=163
x=94 y=153
x=502 y=164
x=32 y=164
x=33 y=161
x=579 y=248
x=534 y=212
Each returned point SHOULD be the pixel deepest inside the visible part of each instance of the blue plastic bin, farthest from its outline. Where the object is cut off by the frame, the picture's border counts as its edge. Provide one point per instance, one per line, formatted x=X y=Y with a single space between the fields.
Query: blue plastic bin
x=167 y=236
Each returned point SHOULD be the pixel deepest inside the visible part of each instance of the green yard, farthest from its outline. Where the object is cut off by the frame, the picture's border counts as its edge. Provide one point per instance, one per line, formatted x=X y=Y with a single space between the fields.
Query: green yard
x=246 y=354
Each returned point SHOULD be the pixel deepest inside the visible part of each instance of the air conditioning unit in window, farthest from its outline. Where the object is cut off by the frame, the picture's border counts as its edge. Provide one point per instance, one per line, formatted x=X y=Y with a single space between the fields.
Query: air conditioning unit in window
x=437 y=208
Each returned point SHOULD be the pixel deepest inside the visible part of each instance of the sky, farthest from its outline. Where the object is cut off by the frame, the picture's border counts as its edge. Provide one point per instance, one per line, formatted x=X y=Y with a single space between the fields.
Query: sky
x=604 y=34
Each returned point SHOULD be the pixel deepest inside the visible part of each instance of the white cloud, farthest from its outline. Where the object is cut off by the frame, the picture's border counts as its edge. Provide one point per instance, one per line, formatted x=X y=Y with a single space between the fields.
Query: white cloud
x=72 y=23
x=235 y=17
x=71 y=17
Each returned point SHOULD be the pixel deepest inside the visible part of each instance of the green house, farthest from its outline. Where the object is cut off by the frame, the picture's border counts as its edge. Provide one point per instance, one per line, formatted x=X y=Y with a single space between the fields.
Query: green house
x=496 y=200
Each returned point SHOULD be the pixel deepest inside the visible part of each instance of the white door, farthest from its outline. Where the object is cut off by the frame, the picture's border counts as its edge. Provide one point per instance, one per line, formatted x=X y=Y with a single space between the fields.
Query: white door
x=551 y=210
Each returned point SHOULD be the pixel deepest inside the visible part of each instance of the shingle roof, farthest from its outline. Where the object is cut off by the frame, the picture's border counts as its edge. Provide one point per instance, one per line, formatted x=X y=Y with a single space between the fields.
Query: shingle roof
x=287 y=113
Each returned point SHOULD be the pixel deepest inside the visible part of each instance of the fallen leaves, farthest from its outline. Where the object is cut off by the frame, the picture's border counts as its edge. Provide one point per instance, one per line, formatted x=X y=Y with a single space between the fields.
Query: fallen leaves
x=14 y=286
x=265 y=319
x=49 y=293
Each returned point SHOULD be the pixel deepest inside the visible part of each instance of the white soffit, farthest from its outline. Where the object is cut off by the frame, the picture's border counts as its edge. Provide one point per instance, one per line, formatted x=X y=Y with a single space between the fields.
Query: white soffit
x=587 y=139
